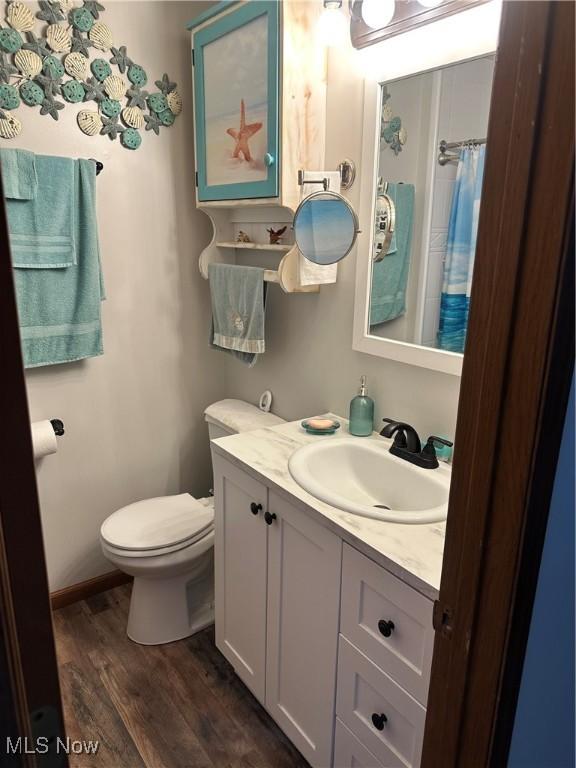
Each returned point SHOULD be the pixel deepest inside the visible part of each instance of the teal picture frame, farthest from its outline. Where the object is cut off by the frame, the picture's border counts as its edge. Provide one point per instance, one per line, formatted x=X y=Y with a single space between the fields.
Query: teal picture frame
x=241 y=190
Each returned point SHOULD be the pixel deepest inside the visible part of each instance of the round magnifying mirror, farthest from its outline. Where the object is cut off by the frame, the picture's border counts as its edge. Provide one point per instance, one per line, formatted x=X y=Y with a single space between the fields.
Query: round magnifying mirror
x=325 y=227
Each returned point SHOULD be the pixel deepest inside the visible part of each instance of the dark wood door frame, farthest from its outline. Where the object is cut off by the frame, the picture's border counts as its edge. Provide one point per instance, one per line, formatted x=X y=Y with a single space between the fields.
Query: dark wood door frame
x=515 y=382
x=26 y=620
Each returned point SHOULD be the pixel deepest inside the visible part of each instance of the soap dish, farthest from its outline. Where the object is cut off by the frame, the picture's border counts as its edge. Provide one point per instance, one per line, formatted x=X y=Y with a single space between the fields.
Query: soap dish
x=319 y=426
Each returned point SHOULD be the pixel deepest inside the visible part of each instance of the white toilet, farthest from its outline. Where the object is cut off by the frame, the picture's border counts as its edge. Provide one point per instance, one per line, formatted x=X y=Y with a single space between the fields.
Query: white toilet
x=167 y=545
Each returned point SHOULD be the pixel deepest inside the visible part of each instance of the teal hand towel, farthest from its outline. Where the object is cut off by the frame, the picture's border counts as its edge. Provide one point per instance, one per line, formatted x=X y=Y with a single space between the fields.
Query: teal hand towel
x=59 y=309
x=237 y=310
x=19 y=177
x=42 y=229
x=390 y=276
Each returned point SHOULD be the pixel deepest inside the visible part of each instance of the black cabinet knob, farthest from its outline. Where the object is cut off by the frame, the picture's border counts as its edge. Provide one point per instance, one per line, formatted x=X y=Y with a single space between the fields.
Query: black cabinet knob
x=255 y=508
x=269 y=517
x=386 y=627
x=379 y=721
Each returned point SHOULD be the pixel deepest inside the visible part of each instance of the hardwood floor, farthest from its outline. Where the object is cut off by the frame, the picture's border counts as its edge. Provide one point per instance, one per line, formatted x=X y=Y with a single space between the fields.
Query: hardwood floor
x=171 y=706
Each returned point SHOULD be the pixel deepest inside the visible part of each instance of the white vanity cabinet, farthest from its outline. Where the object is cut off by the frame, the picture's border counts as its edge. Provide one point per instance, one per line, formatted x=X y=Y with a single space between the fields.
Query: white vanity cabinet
x=277 y=606
x=336 y=648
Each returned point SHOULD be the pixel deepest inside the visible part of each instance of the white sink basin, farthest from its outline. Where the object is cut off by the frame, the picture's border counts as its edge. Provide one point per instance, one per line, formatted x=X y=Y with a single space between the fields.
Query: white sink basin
x=358 y=474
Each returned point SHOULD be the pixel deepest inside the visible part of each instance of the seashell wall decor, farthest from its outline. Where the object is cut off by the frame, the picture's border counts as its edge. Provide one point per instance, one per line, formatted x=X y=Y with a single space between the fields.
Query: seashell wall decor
x=20 y=17
x=29 y=64
x=71 y=58
x=392 y=132
x=10 y=126
x=76 y=65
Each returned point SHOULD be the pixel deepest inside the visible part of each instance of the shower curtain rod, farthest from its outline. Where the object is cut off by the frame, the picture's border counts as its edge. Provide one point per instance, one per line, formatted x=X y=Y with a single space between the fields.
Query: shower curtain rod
x=446 y=156
x=444 y=145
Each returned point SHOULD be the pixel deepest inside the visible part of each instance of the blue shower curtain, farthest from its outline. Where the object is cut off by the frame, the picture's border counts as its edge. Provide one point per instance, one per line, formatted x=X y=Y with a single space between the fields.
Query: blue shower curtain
x=461 y=247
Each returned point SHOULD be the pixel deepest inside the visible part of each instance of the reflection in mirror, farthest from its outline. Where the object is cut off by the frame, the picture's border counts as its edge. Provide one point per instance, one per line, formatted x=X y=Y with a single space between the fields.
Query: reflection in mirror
x=325 y=227
x=429 y=182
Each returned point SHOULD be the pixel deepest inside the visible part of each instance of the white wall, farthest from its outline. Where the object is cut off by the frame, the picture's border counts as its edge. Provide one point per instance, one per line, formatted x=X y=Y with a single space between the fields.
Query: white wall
x=309 y=364
x=133 y=417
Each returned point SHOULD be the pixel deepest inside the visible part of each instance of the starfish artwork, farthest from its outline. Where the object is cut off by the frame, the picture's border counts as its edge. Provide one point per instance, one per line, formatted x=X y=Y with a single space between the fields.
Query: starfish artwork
x=243 y=134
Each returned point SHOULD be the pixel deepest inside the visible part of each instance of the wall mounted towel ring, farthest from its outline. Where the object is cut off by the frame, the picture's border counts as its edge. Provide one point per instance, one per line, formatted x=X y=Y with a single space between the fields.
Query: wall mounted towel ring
x=325 y=227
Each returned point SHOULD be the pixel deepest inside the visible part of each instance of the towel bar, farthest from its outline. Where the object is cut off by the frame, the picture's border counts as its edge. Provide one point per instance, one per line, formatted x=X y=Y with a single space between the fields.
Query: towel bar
x=99 y=165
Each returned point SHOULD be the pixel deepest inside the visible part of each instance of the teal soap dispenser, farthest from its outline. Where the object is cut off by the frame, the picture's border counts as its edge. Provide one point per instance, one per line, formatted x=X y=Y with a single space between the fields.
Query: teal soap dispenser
x=361 y=412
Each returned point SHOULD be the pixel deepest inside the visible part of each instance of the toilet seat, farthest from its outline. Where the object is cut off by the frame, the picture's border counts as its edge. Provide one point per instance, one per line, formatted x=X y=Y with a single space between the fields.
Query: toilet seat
x=157 y=526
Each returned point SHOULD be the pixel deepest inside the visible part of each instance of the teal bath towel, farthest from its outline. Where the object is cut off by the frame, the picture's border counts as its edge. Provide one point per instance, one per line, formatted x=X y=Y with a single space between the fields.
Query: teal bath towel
x=237 y=310
x=59 y=308
x=42 y=228
x=19 y=177
x=390 y=276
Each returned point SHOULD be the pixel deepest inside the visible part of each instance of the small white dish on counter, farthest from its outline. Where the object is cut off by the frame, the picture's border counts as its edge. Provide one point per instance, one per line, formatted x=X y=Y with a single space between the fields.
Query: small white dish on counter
x=364 y=478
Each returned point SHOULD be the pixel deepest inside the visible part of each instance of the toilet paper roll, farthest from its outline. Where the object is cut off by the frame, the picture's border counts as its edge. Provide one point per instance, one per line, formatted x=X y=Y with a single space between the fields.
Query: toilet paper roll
x=43 y=438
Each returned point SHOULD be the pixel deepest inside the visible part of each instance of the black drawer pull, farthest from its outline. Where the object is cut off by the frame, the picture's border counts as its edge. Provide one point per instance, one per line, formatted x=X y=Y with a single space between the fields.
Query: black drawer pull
x=379 y=721
x=269 y=517
x=255 y=508
x=386 y=627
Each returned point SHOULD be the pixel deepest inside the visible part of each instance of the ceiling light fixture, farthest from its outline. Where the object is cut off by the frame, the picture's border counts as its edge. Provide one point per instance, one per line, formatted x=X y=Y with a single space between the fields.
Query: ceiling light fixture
x=377 y=13
x=430 y=3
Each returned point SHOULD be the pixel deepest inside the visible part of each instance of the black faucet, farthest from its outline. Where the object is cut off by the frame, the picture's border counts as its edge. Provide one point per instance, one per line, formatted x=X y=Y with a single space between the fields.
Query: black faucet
x=407 y=444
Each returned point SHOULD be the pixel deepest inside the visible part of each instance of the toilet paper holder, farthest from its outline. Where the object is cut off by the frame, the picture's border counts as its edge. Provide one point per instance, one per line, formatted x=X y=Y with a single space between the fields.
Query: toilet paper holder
x=57 y=426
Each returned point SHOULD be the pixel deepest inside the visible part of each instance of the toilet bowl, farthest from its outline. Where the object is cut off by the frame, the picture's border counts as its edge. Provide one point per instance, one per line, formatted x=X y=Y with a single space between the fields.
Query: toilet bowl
x=167 y=545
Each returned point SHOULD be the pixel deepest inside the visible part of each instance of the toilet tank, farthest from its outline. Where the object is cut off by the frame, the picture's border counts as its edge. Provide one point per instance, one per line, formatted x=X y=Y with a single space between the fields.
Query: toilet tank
x=229 y=417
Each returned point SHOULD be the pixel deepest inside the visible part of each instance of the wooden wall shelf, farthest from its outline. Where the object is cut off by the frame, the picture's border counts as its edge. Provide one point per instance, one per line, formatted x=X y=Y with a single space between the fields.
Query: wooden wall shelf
x=279 y=248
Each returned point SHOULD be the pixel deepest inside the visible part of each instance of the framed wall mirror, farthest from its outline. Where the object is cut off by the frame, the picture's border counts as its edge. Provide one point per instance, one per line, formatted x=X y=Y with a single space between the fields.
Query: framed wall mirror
x=425 y=139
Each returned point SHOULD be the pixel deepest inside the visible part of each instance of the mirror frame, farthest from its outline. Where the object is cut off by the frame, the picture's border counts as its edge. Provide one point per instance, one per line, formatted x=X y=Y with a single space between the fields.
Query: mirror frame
x=401 y=351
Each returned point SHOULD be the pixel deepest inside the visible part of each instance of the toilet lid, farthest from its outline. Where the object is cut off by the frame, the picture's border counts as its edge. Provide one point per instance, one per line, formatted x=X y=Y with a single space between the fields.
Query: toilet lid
x=158 y=523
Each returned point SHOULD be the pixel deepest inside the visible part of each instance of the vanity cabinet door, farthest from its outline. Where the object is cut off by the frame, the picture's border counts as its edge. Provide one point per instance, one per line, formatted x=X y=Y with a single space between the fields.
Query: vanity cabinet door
x=240 y=573
x=236 y=88
x=304 y=565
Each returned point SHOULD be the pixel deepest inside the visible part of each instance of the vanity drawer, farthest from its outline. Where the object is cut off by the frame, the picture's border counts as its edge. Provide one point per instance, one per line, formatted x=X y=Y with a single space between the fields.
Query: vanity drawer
x=349 y=752
x=365 y=691
x=387 y=620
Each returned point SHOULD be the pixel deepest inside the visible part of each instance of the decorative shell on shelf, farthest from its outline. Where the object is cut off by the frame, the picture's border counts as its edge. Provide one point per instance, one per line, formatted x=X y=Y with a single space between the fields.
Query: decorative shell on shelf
x=10 y=126
x=20 y=17
x=174 y=102
x=115 y=86
x=101 y=36
x=89 y=122
x=28 y=63
x=133 y=117
x=76 y=65
x=58 y=38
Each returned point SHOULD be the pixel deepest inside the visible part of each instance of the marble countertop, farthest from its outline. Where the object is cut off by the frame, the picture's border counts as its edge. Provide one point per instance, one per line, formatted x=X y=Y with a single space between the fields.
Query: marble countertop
x=411 y=552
